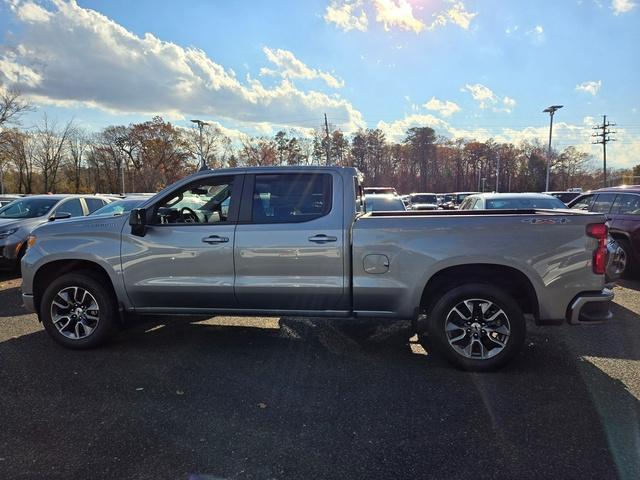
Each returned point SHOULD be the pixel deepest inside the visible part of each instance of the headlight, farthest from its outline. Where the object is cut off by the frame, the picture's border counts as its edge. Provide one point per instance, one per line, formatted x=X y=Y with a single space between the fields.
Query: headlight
x=6 y=233
x=31 y=241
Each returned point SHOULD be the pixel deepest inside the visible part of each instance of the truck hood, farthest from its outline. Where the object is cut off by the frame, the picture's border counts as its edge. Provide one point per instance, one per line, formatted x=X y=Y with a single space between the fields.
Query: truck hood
x=84 y=226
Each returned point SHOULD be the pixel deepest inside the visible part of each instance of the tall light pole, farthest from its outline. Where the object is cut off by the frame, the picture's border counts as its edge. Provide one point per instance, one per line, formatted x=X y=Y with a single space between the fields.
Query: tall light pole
x=203 y=163
x=550 y=110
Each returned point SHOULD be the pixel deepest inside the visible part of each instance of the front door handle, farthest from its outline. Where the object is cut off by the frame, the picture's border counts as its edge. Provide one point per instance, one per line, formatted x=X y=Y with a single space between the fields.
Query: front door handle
x=215 y=239
x=322 y=238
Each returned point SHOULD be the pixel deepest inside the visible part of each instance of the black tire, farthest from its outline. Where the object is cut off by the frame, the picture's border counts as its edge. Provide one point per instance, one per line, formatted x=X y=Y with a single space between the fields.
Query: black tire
x=438 y=337
x=632 y=267
x=105 y=327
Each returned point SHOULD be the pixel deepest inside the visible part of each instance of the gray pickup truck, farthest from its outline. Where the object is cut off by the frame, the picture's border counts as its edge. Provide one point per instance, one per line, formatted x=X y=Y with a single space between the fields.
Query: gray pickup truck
x=295 y=241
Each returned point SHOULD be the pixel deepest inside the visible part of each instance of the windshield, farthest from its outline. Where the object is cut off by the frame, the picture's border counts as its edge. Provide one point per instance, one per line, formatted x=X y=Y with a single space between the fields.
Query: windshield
x=423 y=199
x=376 y=203
x=119 y=207
x=524 y=203
x=28 y=208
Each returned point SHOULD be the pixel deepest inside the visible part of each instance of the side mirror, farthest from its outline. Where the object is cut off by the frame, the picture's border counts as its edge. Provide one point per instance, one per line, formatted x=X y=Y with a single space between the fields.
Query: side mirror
x=59 y=216
x=138 y=221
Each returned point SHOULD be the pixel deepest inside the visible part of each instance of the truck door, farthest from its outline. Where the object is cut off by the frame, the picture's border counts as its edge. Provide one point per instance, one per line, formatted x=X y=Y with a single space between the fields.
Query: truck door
x=185 y=258
x=290 y=243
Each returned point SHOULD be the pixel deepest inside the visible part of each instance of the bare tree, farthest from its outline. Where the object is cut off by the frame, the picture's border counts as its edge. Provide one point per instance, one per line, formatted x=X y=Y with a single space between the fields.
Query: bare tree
x=78 y=145
x=52 y=142
x=17 y=152
x=12 y=105
x=213 y=140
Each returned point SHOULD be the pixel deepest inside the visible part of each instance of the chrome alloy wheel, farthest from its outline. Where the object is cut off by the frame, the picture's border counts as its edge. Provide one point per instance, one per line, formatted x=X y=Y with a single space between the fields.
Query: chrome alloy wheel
x=477 y=328
x=618 y=261
x=75 y=312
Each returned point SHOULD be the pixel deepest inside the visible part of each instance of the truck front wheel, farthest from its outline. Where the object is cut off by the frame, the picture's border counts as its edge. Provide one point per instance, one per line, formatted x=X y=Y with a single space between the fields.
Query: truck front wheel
x=78 y=311
x=476 y=327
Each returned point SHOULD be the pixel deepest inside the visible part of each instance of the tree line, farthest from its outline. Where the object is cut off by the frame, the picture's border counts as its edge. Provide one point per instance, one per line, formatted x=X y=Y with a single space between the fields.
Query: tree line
x=146 y=156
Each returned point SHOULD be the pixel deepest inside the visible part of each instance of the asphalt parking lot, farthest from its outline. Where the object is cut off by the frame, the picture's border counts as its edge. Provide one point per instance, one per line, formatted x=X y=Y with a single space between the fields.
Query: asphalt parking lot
x=299 y=399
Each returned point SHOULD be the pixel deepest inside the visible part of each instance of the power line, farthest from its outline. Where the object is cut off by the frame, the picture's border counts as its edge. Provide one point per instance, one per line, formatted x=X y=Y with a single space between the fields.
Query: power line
x=604 y=138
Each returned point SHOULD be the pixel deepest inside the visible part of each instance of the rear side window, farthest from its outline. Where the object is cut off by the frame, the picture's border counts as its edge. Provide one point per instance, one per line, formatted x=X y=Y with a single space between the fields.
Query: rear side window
x=626 y=204
x=603 y=202
x=291 y=197
x=584 y=203
x=94 y=204
x=72 y=206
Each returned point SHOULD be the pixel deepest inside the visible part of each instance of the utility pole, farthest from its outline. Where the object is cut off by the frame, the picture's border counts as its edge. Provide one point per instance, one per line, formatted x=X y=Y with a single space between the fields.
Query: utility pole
x=327 y=141
x=550 y=110
x=498 y=173
x=604 y=138
x=122 y=167
x=203 y=163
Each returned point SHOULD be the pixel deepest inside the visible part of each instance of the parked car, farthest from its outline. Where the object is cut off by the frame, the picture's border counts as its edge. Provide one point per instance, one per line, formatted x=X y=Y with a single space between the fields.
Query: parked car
x=21 y=216
x=379 y=202
x=380 y=191
x=6 y=199
x=120 y=207
x=454 y=200
x=511 y=201
x=294 y=241
x=423 y=201
x=621 y=208
x=564 y=196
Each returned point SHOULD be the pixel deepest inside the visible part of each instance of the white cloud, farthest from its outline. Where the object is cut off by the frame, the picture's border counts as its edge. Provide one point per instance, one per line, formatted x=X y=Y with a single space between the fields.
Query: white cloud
x=31 y=12
x=592 y=87
x=77 y=55
x=457 y=15
x=394 y=14
x=536 y=34
x=288 y=66
x=397 y=13
x=509 y=102
x=396 y=131
x=481 y=94
x=620 y=7
x=485 y=98
x=445 y=108
x=345 y=15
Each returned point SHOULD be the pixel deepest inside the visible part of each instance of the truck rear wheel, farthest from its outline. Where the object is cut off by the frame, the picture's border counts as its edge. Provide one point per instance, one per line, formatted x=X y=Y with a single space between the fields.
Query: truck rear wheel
x=476 y=327
x=78 y=311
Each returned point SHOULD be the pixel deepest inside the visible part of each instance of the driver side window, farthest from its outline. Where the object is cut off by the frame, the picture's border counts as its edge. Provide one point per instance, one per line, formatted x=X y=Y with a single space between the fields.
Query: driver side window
x=204 y=201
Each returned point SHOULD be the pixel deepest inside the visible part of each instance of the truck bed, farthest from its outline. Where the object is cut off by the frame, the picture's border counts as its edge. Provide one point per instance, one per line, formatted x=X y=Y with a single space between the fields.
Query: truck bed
x=460 y=213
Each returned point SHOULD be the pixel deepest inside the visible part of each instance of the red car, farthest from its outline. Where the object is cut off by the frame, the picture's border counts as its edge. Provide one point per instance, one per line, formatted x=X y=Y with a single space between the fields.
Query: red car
x=621 y=206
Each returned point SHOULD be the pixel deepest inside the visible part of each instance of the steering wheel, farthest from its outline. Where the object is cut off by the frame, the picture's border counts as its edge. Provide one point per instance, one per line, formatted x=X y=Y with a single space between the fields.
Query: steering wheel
x=188 y=215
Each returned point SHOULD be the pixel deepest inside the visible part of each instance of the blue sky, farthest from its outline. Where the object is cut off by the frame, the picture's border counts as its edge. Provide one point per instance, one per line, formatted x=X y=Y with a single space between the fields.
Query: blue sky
x=468 y=68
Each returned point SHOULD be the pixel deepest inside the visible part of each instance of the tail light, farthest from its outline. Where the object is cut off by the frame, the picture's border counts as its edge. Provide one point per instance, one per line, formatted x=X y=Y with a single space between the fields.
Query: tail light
x=599 y=231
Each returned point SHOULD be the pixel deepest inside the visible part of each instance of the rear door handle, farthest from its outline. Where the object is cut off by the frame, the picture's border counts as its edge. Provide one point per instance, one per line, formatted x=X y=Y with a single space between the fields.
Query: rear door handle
x=322 y=238
x=215 y=239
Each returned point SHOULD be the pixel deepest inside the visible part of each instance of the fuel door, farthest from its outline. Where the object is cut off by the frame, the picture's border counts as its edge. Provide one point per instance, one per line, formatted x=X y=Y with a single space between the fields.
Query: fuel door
x=376 y=263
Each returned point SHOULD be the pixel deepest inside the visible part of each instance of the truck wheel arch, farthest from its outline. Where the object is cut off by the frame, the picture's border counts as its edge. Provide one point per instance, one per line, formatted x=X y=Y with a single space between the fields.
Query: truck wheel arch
x=47 y=272
x=511 y=280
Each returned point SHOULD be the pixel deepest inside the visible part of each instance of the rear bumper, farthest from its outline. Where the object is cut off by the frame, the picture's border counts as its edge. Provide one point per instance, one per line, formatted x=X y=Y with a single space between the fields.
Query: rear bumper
x=590 y=308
